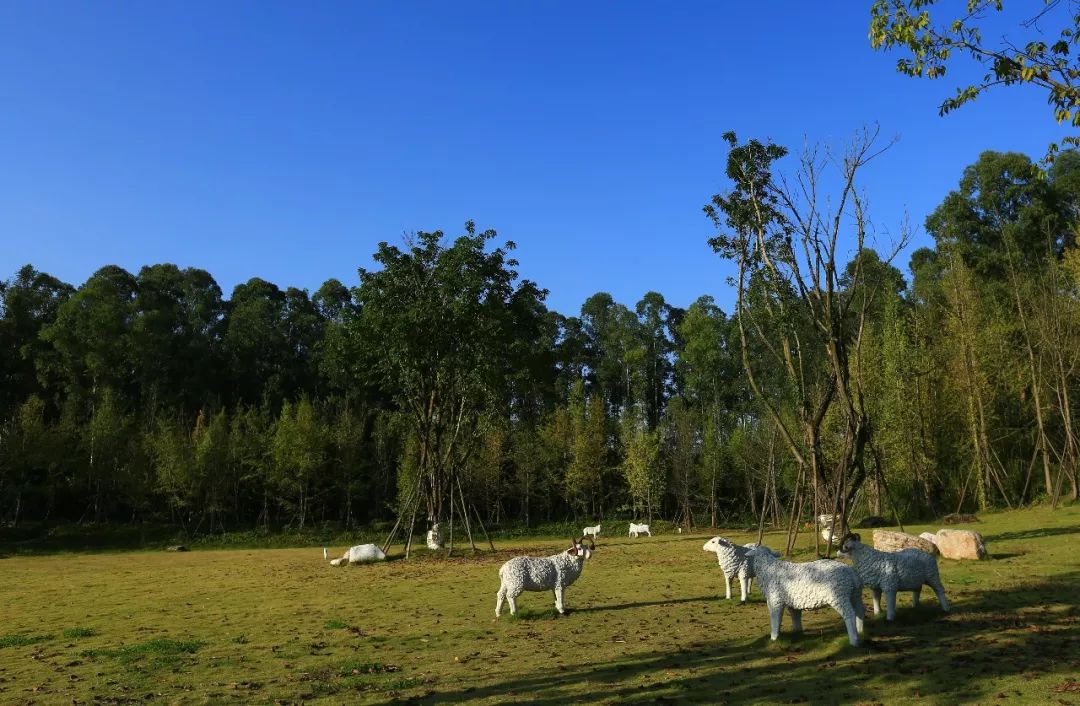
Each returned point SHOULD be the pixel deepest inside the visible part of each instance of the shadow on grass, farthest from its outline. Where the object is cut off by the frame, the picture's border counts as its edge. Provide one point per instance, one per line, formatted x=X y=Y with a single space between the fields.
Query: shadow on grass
x=1027 y=631
x=645 y=604
x=38 y=540
x=1032 y=534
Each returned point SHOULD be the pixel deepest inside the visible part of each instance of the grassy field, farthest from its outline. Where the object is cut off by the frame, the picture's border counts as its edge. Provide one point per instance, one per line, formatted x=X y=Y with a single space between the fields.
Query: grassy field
x=645 y=625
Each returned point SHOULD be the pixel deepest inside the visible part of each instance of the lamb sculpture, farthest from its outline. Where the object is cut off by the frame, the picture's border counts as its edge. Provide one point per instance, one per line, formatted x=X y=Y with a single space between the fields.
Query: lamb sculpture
x=809 y=585
x=591 y=531
x=360 y=554
x=733 y=561
x=552 y=573
x=889 y=572
x=637 y=530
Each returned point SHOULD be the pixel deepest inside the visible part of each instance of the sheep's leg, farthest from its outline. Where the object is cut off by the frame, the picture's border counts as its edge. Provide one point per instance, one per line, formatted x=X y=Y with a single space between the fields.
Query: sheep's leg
x=776 y=616
x=796 y=620
x=852 y=630
x=499 y=598
x=915 y=596
x=512 y=600
x=890 y=605
x=727 y=587
x=860 y=610
x=744 y=586
x=876 y=594
x=559 y=599
x=940 y=591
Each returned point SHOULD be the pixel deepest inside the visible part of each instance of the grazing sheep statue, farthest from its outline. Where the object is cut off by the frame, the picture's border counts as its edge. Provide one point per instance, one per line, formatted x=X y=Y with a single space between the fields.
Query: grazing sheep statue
x=360 y=554
x=733 y=561
x=591 y=531
x=551 y=573
x=813 y=584
x=637 y=530
x=889 y=572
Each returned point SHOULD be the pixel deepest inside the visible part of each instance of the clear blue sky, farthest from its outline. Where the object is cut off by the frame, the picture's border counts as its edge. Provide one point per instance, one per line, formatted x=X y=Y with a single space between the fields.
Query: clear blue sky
x=285 y=140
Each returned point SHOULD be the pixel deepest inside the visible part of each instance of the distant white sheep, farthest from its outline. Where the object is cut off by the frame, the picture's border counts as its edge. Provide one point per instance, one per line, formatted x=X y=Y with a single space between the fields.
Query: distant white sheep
x=888 y=572
x=591 y=531
x=551 y=573
x=733 y=560
x=813 y=584
x=637 y=530
x=360 y=554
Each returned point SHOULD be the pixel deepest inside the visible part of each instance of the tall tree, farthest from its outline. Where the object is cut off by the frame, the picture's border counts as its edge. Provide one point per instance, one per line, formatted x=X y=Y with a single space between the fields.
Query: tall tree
x=786 y=242
x=439 y=321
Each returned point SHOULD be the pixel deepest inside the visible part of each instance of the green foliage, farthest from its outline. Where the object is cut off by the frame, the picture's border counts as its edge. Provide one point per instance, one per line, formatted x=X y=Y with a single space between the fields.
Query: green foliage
x=933 y=42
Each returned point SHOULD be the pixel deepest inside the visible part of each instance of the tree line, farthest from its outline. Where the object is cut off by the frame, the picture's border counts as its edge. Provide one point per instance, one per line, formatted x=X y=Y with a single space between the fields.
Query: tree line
x=441 y=379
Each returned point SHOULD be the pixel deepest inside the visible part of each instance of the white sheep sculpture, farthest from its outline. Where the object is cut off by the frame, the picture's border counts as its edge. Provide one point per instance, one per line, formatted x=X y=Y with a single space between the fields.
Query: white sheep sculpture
x=552 y=573
x=806 y=586
x=733 y=561
x=591 y=531
x=637 y=530
x=889 y=572
x=360 y=554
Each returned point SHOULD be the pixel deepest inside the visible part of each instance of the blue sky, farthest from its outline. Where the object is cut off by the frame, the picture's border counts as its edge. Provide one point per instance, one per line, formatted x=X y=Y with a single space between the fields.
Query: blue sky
x=285 y=140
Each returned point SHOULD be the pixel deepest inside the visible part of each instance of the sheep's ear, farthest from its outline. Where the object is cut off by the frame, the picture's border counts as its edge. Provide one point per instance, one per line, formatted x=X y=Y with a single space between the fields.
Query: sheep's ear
x=856 y=537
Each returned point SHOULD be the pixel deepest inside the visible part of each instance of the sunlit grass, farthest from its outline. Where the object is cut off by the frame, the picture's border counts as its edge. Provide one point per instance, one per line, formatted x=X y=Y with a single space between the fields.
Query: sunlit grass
x=645 y=623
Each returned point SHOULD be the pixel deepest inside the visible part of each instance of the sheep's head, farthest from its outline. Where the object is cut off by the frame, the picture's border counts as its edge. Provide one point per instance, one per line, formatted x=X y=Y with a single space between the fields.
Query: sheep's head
x=760 y=553
x=716 y=543
x=578 y=548
x=846 y=543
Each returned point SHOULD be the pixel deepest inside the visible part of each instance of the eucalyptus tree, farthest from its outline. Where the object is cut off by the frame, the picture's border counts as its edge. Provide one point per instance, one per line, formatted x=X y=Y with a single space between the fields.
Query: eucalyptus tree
x=710 y=375
x=176 y=338
x=614 y=351
x=91 y=337
x=655 y=330
x=254 y=341
x=29 y=302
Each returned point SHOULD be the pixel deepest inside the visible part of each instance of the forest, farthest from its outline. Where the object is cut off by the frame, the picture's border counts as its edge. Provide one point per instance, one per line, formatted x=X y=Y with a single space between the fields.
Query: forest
x=442 y=376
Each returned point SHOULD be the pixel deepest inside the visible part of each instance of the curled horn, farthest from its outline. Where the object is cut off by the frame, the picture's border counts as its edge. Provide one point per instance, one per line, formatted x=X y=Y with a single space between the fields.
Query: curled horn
x=592 y=544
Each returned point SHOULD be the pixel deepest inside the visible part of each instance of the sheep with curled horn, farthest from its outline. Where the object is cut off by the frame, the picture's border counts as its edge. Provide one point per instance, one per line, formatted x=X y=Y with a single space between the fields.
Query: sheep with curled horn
x=551 y=573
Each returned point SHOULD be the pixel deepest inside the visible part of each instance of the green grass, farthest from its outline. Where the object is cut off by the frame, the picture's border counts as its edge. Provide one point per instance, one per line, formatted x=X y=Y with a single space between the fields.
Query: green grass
x=644 y=625
x=76 y=633
x=23 y=640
